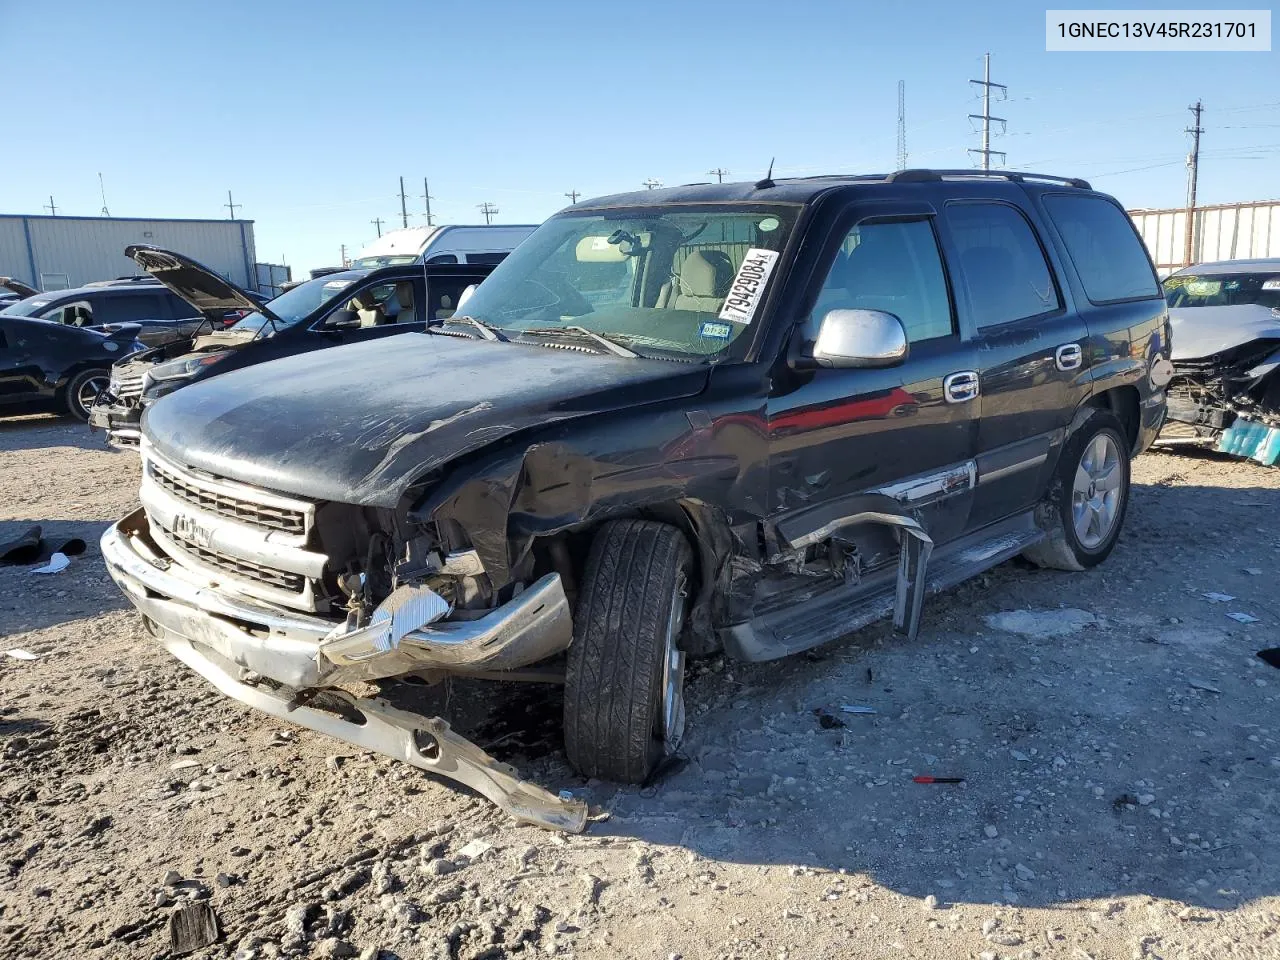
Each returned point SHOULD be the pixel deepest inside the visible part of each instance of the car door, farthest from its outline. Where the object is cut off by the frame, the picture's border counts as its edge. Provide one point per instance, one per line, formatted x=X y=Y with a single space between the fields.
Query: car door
x=382 y=308
x=1032 y=366
x=843 y=440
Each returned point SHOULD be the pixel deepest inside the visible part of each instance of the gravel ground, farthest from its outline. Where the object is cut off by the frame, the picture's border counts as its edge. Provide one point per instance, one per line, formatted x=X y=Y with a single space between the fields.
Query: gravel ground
x=1119 y=736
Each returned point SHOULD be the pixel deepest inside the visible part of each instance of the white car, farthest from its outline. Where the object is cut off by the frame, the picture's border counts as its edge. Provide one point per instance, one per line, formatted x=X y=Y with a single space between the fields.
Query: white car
x=448 y=244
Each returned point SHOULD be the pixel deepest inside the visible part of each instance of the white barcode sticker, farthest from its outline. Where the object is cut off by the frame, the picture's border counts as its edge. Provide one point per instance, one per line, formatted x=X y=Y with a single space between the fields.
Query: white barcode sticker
x=748 y=286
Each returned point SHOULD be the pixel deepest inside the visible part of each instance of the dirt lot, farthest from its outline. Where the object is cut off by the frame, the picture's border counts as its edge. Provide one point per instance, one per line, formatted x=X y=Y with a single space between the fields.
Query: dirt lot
x=1120 y=740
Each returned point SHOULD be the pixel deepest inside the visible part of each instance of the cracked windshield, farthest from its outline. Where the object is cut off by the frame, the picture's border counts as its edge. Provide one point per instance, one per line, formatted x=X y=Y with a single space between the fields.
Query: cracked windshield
x=670 y=279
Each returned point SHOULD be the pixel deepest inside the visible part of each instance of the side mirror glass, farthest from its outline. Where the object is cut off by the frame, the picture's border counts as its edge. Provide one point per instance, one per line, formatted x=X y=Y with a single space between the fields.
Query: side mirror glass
x=342 y=320
x=860 y=338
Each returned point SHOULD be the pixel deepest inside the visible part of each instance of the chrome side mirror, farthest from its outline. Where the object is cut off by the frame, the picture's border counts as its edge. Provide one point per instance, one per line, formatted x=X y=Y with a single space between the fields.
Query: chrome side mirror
x=465 y=296
x=860 y=338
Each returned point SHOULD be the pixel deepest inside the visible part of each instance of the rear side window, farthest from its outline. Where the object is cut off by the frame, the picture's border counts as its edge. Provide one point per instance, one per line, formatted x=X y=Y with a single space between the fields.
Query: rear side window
x=486 y=257
x=894 y=267
x=1104 y=248
x=125 y=308
x=1004 y=266
x=179 y=309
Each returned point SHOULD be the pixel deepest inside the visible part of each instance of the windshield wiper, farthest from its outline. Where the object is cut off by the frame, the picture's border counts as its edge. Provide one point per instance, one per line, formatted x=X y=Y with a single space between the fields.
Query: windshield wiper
x=612 y=346
x=487 y=330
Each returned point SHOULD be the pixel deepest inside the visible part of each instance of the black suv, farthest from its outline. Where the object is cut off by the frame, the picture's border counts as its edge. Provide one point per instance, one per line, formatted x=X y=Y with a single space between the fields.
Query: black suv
x=103 y=306
x=749 y=417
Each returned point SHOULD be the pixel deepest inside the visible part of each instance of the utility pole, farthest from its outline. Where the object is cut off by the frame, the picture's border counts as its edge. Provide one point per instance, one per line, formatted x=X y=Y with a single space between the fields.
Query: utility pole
x=342 y=254
x=404 y=211
x=573 y=196
x=377 y=222
x=985 y=116
x=719 y=174
x=53 y=211
x=426 y=195
x=231 y=205
x=489 y=210
x=902 y=125
x=103 y=190
x=652 y=184
x=1193 y=176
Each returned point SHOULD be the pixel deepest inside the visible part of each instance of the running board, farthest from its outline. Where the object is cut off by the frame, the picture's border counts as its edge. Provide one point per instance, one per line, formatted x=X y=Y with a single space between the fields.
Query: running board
x=845 y=609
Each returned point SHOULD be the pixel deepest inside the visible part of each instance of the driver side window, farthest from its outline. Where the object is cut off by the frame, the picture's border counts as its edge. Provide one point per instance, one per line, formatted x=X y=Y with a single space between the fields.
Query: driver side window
x=891 y=266
x=375 y=306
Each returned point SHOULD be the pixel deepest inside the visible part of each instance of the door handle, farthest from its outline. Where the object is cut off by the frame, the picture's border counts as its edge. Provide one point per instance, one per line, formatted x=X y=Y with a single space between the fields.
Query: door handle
x=960 y=387
x=1069 y=356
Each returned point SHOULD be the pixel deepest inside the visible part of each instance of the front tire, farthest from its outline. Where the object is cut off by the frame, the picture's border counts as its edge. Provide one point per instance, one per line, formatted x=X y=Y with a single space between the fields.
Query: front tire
x=1089 y=497
x=82 y=390
x=624 y=680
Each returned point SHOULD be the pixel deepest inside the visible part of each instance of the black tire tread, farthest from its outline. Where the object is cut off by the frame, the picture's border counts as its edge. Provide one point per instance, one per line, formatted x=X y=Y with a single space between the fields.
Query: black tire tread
x=614 y=666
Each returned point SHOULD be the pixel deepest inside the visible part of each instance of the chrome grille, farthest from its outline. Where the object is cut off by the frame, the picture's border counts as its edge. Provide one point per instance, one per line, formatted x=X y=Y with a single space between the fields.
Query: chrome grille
x=237 y=567
x=126 y=386
x=227 y=505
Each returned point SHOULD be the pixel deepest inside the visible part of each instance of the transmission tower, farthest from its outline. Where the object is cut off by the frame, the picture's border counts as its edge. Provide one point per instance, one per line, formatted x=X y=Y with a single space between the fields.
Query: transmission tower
x=985 y=152
x=489 y=211
x=902 y=125
x=103 y=190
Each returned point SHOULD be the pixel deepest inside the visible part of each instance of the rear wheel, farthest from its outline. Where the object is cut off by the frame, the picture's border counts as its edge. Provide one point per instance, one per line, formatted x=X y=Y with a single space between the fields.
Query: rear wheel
x=624 y=680
x=1087 y=503
x=83 y=389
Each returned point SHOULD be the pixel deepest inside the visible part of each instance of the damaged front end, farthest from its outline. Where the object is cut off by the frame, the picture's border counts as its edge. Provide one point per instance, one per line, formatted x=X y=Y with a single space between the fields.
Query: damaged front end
x=1228 y=401
x=284 y=603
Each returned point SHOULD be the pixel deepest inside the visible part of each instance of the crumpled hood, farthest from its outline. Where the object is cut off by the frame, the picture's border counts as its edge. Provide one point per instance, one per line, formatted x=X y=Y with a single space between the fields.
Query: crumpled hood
x=1203 y=331
x=360 y=423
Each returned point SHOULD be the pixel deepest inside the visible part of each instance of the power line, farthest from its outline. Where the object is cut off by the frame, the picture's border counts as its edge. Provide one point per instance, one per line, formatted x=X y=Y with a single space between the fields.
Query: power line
x=231 y=205
x=985 y=116
x=1193 y=176
x=404 y=211
x=489 y=211
x=902 y=125
x=719 y=173
x=53 y=211
x=573 y=196
x=103 y=190
x=426 y=195
x=377 y=222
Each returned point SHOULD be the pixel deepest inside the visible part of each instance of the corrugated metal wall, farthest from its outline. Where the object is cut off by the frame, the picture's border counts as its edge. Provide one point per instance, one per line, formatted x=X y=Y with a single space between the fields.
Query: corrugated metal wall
x=1228 y=231
x=71 y=251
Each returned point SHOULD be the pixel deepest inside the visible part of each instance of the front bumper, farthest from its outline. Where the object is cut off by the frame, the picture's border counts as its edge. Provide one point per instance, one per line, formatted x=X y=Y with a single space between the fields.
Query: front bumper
x=120 y=419
x=235 y=643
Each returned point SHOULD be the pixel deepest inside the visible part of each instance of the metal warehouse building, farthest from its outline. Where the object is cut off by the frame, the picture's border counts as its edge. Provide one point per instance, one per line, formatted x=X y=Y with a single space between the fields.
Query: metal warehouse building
x=55 y=253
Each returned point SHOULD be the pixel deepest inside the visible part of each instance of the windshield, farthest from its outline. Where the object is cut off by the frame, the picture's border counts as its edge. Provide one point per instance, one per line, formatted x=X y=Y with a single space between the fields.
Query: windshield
x=678 y=278
x=1224 y=290
x=27 y=308
x=373 y=263
x=297 y=303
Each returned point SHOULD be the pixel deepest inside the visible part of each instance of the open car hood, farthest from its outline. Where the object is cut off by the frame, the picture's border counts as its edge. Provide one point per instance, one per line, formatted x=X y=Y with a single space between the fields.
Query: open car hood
x=1203 y=331
x=18 y=287
x=195 y=283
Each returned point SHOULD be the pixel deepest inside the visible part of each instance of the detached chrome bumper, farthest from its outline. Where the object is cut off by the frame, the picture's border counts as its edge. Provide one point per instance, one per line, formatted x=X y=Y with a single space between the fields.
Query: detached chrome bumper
x=233 y=642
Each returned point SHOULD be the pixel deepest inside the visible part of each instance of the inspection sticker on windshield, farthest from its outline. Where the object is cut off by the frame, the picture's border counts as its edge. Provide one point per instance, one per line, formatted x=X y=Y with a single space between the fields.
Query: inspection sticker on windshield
x=715 y=331
x=748 y=286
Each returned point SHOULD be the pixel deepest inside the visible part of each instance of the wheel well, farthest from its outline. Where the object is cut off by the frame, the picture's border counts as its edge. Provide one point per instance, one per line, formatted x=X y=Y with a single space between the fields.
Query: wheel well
x=1125 y=403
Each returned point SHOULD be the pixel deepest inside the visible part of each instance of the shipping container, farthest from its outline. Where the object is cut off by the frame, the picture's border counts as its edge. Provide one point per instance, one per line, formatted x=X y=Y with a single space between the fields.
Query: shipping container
x=1224 y=231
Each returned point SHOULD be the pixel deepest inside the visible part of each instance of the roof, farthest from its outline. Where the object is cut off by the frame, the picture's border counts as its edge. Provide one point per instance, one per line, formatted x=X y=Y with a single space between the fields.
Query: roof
x=1232 y=266
x=802 y=190
x=45 y=216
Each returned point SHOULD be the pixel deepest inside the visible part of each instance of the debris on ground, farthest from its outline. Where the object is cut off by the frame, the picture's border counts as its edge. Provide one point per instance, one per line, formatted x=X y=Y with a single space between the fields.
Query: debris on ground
x=191 y=927
x=1042 y=624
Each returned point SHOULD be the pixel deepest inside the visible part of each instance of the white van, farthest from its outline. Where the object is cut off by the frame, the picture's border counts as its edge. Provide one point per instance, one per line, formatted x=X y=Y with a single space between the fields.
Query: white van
x=455 y=244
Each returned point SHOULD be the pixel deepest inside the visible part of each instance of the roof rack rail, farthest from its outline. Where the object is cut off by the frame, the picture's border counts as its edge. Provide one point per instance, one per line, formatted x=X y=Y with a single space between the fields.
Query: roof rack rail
x=923 y=176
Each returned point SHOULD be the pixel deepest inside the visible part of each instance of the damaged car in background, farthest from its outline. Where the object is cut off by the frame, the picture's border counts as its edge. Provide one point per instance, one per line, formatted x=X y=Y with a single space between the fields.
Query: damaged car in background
x=1225 y=391
x=747 y=418
x=340 y=307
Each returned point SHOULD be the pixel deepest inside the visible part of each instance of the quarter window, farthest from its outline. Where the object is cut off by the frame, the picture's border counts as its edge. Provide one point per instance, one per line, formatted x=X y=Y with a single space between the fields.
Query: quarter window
x=894 y=267
x=1103 y=246
x=1004 y=266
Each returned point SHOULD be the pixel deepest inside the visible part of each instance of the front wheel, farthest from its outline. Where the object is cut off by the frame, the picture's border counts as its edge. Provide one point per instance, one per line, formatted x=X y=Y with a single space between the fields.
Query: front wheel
x=83 y=389
x=624 y=680
x=1089 y=497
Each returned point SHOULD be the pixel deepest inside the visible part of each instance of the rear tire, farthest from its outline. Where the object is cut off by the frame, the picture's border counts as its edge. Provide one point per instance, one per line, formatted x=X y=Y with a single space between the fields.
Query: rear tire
x=82 y=390
x=624 y=680
x=1088 y=499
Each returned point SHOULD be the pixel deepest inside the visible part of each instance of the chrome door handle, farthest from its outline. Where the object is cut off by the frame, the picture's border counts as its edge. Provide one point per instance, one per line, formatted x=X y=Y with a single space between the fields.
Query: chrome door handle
x=960 y=387
x=1069 y=356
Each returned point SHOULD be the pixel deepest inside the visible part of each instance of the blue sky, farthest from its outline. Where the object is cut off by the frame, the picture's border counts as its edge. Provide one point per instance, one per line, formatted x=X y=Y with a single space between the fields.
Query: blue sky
x=309 y=112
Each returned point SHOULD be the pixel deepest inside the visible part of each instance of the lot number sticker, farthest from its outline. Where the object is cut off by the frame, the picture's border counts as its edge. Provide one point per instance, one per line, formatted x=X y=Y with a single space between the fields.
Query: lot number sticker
x=748 y=286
